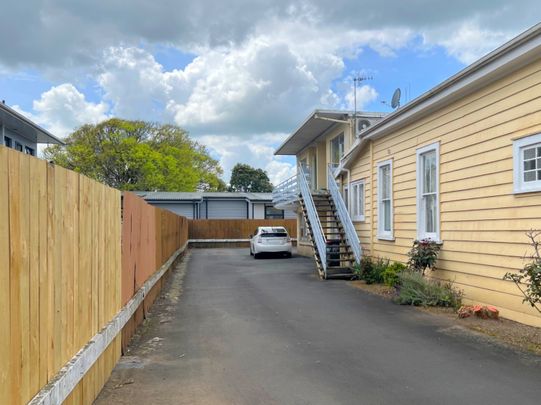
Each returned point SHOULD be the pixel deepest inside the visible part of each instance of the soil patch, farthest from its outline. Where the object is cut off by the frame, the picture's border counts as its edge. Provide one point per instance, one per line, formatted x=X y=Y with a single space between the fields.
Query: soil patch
x=508 y=332
x=379 y=289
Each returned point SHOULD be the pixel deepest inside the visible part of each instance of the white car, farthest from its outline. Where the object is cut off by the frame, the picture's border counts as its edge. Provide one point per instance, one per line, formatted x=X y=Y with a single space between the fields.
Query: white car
x=270 y=239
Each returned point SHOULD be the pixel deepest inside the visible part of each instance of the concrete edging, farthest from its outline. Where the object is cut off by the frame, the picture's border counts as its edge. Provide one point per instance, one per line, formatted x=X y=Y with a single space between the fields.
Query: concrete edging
x=57 y=390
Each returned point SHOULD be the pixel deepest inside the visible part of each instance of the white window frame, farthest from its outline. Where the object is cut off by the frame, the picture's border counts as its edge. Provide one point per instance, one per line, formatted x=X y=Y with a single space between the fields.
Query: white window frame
x=346 y=196
x=421 y=234
x=382 y=234
x=519 y=186
x=360 y=217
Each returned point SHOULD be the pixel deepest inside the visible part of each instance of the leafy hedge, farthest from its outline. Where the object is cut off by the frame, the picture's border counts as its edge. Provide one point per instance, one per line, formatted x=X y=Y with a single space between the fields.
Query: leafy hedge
x=415 y=289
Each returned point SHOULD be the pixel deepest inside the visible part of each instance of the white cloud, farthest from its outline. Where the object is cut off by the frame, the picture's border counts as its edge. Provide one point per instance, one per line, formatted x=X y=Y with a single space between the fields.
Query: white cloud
x=63 y=108
x=365 y=95
x=257 y=151
x=468 y=41
x=133 y=82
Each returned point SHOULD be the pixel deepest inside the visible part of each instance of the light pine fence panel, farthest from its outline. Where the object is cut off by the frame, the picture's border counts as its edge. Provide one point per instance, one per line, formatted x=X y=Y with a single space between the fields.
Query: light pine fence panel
x=5 y=286
x=60 y=274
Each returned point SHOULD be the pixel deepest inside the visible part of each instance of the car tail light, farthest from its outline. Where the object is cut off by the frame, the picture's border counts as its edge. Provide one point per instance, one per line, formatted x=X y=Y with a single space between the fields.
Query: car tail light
x=259 y=240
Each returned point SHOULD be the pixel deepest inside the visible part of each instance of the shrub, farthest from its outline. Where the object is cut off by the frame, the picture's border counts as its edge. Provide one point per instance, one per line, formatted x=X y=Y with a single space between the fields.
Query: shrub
x=415 y=289
x=528 y=280
x=370 y=270
x=376 y=275
x=423 y=254
x=391 y=273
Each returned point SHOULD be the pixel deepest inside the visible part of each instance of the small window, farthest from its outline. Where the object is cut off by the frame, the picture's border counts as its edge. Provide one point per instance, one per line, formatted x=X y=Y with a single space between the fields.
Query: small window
x=8 y=142
x=428 y=226
x=18 y=146
x=357 y=200
x=29 y=151
x=527 y=164
x=385 y=200
x=273 y=213
x=337 y=149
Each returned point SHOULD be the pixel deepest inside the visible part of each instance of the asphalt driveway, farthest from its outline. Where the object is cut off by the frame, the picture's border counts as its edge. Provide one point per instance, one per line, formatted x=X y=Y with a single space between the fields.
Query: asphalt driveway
x=234 y=330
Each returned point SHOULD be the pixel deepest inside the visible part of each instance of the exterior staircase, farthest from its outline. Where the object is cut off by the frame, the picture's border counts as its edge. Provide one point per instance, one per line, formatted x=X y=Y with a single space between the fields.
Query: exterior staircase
x=333 y=237
x=339 y=256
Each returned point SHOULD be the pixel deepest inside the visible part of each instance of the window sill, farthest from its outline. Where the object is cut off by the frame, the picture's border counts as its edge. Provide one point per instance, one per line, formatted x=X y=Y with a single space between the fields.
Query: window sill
x=527 y=191
x=386 y=237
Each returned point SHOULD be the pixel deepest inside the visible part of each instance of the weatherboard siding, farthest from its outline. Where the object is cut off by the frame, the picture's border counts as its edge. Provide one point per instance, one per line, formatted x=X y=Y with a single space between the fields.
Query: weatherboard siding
x=483 y=223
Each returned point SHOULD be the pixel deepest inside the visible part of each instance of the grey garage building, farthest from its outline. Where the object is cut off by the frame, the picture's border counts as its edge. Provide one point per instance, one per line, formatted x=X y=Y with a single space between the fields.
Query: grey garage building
x=217 y=205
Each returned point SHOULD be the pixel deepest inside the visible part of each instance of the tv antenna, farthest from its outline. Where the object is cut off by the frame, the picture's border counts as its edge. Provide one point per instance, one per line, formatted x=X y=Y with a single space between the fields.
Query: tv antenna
x=357 y=80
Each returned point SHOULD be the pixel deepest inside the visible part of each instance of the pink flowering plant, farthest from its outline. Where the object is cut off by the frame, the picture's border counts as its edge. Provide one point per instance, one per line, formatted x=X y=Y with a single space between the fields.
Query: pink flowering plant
x=423 y=255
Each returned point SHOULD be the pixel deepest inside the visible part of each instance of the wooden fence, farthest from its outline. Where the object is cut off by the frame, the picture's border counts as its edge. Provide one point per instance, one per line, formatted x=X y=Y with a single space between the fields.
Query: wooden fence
x=149 y=237
x=60 y=274
x=235 y=228
x=68 y=265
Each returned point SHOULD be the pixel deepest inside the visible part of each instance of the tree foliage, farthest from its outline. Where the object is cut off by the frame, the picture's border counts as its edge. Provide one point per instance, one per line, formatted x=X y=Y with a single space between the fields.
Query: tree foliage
x=245 y=178
x=139 y=155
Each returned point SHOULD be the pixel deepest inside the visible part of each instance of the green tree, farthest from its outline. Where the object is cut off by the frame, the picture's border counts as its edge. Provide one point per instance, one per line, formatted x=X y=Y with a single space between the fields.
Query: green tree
x=247 y=178
x=138 y=155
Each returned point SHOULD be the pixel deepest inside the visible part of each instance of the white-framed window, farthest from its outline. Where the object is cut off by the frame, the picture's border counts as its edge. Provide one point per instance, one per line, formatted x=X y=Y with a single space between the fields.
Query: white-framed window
x=428 y=199
x=527 y=164
x=357 y=200
x=385 y=200
x=337 y=148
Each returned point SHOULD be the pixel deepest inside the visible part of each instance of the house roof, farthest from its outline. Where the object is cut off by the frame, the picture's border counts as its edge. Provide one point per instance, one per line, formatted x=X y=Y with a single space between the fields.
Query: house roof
x=511 y=56
x=26 y=128
x=200 y=196
x=317 y=123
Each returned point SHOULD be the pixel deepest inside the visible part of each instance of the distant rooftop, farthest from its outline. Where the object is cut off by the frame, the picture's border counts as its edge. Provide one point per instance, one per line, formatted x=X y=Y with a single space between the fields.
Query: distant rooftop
x=200 y=195
x=26 y=128
x=317 y=123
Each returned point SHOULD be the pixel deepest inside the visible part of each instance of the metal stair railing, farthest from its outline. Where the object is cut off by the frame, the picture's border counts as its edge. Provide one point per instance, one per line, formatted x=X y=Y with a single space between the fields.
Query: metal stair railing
x=286 y=193
x=315 y=224
x=351 y=234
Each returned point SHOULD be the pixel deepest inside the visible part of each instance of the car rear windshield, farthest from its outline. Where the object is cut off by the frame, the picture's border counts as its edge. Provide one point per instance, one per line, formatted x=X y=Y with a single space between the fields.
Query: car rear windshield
x=274 y=235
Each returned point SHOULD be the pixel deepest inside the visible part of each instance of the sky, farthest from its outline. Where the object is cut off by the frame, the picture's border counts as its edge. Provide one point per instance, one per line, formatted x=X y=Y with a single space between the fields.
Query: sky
x=239 y=75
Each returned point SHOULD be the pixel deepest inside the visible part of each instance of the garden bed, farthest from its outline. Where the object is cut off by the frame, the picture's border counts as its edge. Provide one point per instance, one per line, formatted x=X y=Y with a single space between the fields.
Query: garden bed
x=508 y=332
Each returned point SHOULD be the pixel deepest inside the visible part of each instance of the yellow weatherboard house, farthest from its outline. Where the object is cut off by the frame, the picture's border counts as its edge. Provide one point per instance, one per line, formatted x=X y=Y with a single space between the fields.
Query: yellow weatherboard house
x=460 y=164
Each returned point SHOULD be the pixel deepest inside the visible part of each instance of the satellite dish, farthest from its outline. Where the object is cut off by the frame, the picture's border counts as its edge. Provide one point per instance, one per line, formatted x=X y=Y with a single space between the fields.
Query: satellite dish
x=395 y=101
x=362 y=125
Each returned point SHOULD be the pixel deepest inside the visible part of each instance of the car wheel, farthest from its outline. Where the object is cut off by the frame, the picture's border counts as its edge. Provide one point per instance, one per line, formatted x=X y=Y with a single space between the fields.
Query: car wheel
x=288 y=255
x=256 y=255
